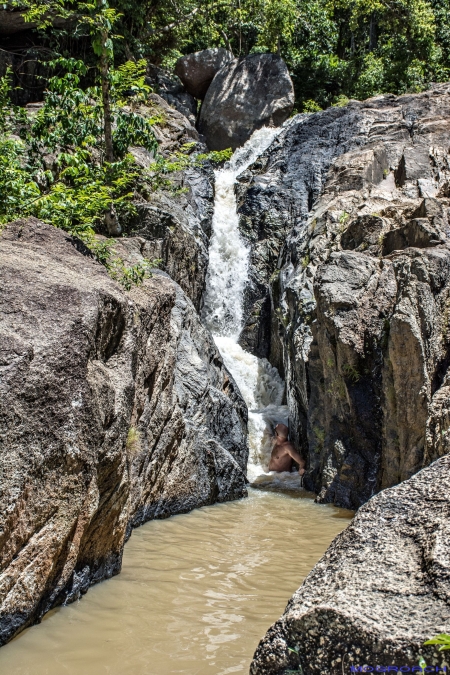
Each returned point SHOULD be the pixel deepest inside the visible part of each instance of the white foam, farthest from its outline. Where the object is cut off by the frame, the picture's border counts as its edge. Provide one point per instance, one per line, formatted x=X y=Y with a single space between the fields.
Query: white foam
x=228 y=253
x=259 y=382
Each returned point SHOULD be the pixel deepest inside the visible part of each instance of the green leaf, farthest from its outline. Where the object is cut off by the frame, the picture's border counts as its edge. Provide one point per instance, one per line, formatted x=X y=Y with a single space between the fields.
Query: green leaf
x=442 y=639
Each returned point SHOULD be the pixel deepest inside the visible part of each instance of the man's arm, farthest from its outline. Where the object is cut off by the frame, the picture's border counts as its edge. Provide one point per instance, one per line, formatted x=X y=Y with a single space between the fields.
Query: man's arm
x=297 y=458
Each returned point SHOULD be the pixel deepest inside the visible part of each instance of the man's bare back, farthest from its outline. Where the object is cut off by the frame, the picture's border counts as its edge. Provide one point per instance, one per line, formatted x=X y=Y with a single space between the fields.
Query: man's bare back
x=284 y=452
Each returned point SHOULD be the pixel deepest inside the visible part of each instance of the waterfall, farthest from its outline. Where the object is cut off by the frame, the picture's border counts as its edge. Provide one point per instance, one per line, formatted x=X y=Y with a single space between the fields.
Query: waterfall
x=259 y=382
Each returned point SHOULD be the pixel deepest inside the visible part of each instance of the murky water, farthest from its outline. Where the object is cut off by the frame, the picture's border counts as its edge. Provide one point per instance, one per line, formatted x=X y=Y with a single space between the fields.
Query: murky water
x=195 y=595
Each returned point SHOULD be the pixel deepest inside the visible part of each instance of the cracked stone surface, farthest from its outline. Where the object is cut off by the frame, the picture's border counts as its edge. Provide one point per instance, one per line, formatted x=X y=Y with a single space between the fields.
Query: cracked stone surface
x=115 y=408
x=346 y=215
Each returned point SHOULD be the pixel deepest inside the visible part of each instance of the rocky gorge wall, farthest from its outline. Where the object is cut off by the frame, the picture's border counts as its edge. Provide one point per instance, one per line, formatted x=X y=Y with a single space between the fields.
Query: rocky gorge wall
x=347 y=217
x=115 y=408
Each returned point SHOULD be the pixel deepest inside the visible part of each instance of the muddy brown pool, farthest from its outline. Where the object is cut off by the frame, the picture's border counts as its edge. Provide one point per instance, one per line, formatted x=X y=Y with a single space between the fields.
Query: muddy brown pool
x=195 y=595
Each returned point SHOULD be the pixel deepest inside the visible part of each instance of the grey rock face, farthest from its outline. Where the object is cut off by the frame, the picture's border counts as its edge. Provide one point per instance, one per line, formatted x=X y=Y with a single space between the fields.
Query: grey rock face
x=115 y=407
x=175 y=129
x=169 y=87
x=378 y=593
x=176 y=229
x=196 y=71
x=246 y=95
x=176 y=221
x=347 y=217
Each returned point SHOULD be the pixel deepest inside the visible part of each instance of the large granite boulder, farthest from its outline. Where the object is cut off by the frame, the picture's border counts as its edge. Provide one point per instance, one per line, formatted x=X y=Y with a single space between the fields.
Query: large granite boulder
x=196 y=71
x=380 y=591
x=115 y=408
x=244 y=96
x=346 y=215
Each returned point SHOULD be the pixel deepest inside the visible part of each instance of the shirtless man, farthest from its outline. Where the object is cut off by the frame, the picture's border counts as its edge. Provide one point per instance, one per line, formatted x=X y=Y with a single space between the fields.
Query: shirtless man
x=284 y=452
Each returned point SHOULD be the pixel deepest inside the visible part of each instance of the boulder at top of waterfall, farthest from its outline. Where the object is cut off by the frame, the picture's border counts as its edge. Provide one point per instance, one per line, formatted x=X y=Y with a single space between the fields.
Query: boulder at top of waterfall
x=378 y=593
x=196 y=71
x=246 y=95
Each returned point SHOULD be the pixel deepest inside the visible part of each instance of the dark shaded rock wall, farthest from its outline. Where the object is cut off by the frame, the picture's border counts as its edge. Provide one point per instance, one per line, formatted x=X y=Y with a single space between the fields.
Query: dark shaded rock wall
x=380 y=591
x=197 y=71
x=115 y=407
x=347 y=217
x=176 y=229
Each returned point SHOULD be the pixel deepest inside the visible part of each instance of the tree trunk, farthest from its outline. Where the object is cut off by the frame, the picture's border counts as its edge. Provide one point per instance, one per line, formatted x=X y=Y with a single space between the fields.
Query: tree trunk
x=107 y=119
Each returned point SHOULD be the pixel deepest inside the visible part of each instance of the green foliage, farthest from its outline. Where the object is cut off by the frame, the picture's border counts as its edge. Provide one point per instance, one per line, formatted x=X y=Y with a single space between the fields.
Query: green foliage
x=340 y=101
x=216 y=156
x=73 y=117
x=443 y=640
x=5 y=104
x=12 y=117
x=133 y=275
x=78 y=188
x=334 y=48
x=311 y=106
x=280 y=19
x=351 y=372
x=41 y=12
x=319 y=433
x=57 y=171
x=132 y=129
x=99 y=19
x=17 y=186
x=160 y=171
x=133 y=444
x=128 y=82
x=83 y=192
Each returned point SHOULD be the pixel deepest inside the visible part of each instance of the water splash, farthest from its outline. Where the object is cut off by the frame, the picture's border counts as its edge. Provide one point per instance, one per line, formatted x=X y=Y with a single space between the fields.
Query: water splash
x=259 y=382
x=228 y=253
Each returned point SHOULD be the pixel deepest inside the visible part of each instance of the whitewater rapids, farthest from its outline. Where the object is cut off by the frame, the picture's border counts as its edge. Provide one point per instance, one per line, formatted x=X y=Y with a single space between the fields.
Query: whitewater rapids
x=259 y=382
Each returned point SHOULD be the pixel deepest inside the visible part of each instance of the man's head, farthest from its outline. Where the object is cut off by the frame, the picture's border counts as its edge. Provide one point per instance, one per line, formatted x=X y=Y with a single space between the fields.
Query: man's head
x=281 y=432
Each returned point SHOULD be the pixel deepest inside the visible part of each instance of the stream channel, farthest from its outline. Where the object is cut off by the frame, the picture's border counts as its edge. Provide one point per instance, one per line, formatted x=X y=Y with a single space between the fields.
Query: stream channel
x=198 y=591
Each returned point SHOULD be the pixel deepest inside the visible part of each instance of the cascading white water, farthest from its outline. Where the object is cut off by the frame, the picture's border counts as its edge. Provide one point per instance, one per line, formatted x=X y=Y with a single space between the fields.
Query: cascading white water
x=259 y=382
x=228 y=253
